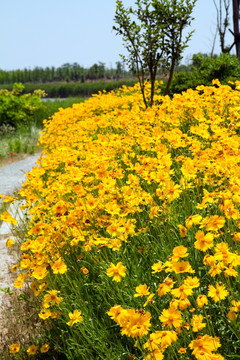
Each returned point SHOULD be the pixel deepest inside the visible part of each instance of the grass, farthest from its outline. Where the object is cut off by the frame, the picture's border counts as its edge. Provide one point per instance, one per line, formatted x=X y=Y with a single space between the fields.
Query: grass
x=16 y=144
x=18 y=321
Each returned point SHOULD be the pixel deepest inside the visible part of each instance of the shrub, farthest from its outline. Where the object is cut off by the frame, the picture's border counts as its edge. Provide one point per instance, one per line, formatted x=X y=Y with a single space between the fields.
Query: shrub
x=17 y=110
x=204 y=69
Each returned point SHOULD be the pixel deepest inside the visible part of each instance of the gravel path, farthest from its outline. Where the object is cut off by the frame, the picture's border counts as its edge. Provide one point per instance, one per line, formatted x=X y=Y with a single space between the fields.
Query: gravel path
x=11 y=178
x=13 y=175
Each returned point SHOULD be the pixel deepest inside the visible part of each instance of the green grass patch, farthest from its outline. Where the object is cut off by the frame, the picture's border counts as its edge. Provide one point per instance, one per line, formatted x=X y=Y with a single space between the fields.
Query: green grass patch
x=14 y=144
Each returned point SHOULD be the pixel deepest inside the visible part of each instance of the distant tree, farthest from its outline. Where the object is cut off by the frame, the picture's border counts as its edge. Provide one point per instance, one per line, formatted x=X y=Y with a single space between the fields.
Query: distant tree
x=119 y=69
x=93 y=72
x=53 y=75
x=153 y=36
x=66 y=72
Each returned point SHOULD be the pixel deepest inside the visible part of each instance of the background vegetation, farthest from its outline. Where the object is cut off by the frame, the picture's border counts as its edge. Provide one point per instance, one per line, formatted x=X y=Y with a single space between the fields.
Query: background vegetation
x=67 y=72
x=203 y=69
x=63 y=90
x=22 y=111
x=21 y=119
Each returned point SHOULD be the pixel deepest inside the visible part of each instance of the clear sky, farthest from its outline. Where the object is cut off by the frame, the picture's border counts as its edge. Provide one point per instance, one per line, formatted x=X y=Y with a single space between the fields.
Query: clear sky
x=53 y=32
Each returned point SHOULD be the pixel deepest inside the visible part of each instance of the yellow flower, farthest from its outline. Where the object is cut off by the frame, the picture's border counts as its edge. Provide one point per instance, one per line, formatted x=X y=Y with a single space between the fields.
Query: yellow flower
x=59 y=267
x=183 y=303
x=160 y=340
x=40 y=272
x=116 y=271
x=204 y=345
x=139 y=324
x=142 y=290
x=197 y=323
x=182 y=231
x=230 y=271
x=114 y=312
x=182 y=292
x=44 y=348
x=18 y=284
x=213 y=223
x=51 y=297
x=155 y=355
x=14 y=348
x=165 y=287
x=32 y=349
x=45 y=314
x=157 y=267
x=171 y=317
x=75 y=317
x=192 y=282
x=182 y=267
x=8 y=199
x=202 y=300
x=193 y=220
x=232 y=315
x=134 y=323
x=179 y=252
x=204 y=242
x=218 y=293
x=8 y=218
x=84 y=270
x=14 y=268
x=233 y=311
x=149 y=299
x=9 y=242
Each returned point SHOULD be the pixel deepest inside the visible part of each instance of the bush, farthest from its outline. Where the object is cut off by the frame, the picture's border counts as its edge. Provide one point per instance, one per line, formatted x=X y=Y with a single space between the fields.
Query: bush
x=17 y=110
x=204 y=69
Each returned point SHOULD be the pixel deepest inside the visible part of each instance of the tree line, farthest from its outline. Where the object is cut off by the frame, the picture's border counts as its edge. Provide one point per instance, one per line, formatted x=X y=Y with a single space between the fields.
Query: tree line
x=65 y=73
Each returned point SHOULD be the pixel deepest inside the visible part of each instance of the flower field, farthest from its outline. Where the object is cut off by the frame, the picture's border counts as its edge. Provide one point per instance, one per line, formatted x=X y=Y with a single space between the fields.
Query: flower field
x=132 y=235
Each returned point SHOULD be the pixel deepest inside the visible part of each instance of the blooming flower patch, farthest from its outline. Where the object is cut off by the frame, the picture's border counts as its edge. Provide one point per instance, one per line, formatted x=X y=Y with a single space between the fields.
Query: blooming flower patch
x=133 y=238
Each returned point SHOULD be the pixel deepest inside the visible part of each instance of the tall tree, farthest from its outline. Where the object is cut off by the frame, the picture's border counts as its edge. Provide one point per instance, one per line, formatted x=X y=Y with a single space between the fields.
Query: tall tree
x=236 y=34
x=223 y=10
x=153 y=36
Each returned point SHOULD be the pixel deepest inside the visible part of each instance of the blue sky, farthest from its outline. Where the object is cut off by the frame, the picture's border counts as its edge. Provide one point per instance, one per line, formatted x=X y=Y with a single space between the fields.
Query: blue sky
x=53 y=32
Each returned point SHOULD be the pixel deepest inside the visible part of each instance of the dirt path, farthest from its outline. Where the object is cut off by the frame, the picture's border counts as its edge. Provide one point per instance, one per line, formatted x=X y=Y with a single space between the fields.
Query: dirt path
x=12 y=176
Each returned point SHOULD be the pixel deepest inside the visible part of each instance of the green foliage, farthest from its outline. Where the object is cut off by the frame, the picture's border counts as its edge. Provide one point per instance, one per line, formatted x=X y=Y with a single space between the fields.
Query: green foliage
x=153 y=36
x=15 y=146
x=16 y=109
x=204 y=69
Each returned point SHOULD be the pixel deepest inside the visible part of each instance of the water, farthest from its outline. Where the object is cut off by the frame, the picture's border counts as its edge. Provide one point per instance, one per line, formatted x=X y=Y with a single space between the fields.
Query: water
x=53 y=99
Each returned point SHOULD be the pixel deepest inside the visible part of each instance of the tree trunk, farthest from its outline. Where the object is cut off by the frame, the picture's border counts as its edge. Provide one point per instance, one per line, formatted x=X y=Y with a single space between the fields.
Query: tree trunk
x=236 y=4
x=170 y=78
